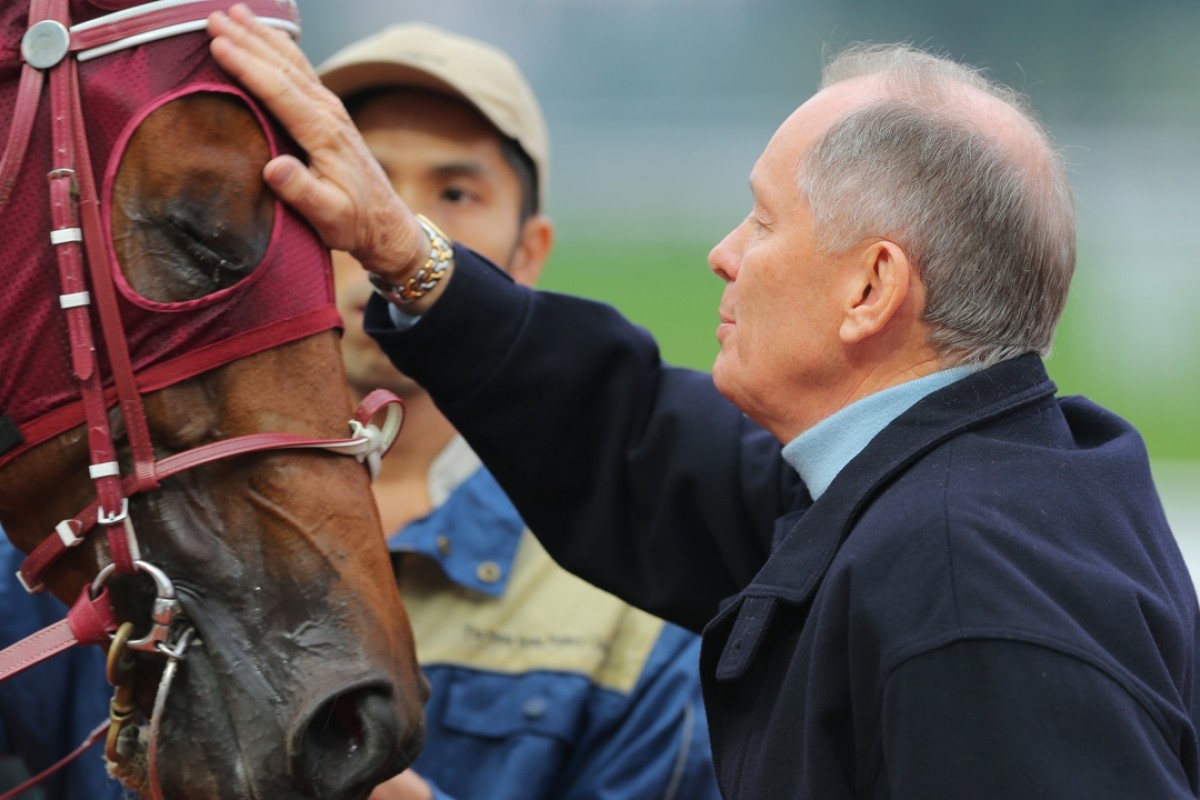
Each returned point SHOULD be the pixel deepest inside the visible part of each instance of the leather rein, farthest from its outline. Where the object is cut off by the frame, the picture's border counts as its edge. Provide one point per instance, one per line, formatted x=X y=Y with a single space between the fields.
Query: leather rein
x=52 y=49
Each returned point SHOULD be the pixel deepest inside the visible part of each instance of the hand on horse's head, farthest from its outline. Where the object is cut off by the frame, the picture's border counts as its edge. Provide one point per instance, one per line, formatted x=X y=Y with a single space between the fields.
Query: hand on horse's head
x=342 y=191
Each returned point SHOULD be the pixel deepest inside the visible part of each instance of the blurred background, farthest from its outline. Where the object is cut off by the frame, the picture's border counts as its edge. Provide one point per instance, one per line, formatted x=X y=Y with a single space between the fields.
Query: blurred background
x=658 y=109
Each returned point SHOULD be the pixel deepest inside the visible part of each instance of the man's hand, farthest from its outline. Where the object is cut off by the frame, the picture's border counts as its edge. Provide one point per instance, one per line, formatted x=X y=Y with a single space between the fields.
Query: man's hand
x=408 y=785
x=342 y=192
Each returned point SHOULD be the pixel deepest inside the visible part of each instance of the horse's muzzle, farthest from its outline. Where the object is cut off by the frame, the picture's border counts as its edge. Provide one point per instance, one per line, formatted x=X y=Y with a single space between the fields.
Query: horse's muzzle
x=352 y=741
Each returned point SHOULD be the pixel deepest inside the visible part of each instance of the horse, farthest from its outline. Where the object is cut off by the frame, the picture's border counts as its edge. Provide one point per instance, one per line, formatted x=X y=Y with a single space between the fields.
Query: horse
x=181 y=463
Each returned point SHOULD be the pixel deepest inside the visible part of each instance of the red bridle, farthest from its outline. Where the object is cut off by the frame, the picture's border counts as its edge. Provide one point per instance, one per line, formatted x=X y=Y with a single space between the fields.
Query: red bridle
x=52 y=47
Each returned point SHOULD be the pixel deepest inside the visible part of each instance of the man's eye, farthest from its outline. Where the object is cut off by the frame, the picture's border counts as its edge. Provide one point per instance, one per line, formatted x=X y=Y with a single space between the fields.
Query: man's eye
x=454 y=195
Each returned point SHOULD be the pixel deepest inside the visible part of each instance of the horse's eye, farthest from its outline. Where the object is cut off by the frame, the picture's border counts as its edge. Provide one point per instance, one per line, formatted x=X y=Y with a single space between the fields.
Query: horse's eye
x=209 y=248
x=186 y=227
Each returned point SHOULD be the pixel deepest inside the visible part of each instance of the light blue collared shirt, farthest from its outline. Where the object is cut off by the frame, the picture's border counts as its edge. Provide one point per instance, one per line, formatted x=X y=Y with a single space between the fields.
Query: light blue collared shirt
x=821 y=452
x=400 y=319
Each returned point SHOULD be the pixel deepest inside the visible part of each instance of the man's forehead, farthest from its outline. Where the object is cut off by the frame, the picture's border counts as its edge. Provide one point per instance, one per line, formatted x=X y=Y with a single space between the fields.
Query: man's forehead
x=781 y=159
x=419 y=101
x=804 y=126
x=836 y=101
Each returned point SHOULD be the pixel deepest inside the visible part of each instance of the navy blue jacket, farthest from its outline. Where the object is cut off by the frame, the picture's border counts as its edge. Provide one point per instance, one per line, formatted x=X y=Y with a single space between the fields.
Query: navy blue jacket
x=987 y=602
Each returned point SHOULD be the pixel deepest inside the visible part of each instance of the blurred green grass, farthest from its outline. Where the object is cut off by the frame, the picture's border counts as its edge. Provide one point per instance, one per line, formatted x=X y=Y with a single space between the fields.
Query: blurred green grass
x=667 y=288
x=1160 y=403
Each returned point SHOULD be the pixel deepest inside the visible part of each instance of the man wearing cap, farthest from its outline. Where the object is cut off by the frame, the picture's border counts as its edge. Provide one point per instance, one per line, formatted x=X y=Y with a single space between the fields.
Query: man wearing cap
x=542 y=685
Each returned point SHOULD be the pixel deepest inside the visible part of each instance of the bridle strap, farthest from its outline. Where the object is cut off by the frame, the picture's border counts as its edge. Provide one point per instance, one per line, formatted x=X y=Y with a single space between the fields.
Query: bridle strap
x=368 y=445
x=93 y=737
x=153 y=21
x=19 y=130
x=103 y=35
x=89 y=621
x=117 y=347
x=24 y=112
x=70 y=182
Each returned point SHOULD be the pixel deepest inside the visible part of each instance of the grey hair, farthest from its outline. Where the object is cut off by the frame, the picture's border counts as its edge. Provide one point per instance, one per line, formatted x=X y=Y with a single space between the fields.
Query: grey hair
x=990 y=226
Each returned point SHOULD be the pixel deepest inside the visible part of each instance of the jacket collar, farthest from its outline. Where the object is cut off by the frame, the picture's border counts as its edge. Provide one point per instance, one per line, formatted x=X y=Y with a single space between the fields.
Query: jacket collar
x=473 y=531
x=803 y=554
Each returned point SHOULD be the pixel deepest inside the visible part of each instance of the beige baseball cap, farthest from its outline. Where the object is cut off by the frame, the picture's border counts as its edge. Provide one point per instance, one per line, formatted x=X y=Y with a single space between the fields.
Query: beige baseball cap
x=428 y=57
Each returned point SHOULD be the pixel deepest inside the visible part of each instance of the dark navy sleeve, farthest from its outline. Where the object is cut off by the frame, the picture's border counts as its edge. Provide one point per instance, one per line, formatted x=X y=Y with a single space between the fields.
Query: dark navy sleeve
x=1000 y=719
x=589 y=433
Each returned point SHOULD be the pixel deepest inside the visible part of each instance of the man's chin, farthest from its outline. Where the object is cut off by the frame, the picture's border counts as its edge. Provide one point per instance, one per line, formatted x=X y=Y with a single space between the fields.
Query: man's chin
x=722 y=379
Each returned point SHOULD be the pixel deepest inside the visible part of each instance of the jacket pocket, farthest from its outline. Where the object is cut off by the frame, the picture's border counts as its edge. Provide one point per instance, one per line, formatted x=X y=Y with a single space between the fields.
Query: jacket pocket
x=503 y=706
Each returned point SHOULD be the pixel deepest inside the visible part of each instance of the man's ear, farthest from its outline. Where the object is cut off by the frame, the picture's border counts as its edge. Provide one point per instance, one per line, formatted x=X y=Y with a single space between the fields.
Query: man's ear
x=533 y=248
x=881 y=282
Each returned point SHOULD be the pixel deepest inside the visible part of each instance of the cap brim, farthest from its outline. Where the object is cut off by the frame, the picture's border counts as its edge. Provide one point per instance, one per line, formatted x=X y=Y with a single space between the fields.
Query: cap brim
x=352 y=79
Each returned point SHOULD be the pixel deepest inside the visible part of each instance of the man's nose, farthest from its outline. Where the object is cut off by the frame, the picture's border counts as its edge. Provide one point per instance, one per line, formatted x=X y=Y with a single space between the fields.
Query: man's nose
x=723 y=258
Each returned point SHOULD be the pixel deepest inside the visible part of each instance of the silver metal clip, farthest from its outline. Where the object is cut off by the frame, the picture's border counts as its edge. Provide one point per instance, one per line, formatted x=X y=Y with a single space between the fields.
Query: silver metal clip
x=166 y=610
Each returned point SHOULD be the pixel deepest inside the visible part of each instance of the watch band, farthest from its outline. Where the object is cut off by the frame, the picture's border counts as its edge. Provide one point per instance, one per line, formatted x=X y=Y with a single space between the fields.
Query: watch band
x=437 y=264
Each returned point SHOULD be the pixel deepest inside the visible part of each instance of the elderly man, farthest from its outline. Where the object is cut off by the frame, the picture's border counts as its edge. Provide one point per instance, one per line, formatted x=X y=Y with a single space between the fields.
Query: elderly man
x=952 y=584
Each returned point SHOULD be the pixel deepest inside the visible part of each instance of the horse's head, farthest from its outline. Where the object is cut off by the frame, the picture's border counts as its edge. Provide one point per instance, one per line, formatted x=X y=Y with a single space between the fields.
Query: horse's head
x=300 y=678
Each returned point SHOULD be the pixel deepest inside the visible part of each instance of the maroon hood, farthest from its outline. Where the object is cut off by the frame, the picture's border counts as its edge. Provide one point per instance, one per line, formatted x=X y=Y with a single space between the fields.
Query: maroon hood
x=287 y=297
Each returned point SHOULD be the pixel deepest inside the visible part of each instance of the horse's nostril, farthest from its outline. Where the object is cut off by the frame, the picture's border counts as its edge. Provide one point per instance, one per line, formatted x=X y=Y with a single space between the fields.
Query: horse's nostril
x=342 y=729
x=352 y=741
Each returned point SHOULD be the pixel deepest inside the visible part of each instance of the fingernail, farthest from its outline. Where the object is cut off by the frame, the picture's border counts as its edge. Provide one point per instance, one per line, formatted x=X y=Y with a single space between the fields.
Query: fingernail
x=279 y=171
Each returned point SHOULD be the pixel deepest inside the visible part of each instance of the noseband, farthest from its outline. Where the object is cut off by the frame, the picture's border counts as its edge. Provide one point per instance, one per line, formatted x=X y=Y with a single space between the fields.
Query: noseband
x=52 y=47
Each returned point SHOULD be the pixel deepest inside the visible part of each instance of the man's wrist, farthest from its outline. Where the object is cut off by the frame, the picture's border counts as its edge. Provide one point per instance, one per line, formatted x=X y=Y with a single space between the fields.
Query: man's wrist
x=433 y=270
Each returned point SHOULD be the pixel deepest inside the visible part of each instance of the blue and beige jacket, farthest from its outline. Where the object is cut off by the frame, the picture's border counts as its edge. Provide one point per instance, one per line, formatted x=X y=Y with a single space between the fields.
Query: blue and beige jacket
x=542 y=685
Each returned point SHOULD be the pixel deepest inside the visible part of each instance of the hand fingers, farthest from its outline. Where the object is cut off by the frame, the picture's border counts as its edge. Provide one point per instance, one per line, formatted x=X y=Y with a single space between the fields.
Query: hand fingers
x=270 y=65
x=321 y=204
x=241 y=13
x=267 y=41
x=344 y=193
x=274 y=69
